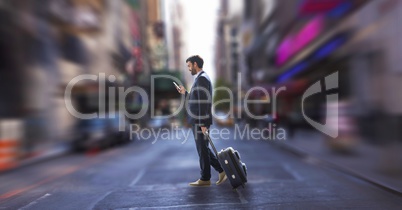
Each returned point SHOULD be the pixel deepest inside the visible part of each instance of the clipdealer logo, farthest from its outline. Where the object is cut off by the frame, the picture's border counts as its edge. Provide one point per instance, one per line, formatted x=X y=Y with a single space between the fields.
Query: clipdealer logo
x=112 y=95
x=331 y=82
x=330 y=127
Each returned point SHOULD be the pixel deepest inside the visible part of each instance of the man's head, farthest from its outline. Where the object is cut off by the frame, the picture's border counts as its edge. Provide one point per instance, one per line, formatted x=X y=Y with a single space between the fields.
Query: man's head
x=194 y=64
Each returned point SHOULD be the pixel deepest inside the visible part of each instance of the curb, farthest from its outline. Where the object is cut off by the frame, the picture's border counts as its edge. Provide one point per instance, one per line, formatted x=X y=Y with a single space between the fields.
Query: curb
x=39 y=158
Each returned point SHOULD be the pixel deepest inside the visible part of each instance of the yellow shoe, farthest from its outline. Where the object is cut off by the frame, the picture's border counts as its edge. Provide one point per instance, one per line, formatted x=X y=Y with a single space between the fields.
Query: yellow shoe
x=200 y=183
x=222 y=178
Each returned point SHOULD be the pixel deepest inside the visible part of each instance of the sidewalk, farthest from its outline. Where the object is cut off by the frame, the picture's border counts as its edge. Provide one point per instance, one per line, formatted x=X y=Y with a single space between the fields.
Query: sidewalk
x=41 y=155
x=381 y=165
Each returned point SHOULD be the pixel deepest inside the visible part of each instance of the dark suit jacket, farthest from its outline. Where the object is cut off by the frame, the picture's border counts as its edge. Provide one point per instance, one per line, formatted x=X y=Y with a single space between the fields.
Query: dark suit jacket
x=199 y=102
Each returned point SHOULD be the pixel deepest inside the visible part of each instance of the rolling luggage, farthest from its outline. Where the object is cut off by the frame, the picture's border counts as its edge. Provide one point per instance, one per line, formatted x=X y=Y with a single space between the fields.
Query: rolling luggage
x=230 y=160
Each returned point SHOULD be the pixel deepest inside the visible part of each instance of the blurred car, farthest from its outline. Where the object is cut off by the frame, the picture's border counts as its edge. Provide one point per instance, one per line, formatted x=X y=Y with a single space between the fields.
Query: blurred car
x=99 y=133
x=158 y=122
x=223 y=119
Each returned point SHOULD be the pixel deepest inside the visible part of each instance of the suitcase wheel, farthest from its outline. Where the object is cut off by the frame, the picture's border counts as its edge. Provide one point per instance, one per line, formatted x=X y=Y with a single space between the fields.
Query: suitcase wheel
x=244 y=168
x=237 y=154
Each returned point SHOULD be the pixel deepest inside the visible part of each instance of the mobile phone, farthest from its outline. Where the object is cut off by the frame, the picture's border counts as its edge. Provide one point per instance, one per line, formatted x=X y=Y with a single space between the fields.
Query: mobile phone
x=176 y=85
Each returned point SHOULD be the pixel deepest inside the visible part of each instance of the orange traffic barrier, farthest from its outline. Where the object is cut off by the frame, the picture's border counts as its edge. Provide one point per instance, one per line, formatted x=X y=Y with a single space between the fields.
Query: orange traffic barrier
x=10 y=137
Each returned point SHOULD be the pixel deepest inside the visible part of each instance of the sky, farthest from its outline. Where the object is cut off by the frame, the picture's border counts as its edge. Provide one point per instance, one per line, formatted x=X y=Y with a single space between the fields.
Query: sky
x=201 y=17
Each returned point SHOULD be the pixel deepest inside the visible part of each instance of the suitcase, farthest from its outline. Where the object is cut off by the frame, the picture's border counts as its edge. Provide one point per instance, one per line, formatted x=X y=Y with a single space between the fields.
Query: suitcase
x=230 y=160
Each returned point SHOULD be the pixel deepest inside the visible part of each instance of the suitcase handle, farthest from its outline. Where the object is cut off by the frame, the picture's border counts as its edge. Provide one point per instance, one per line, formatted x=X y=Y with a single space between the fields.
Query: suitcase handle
x=210 y=141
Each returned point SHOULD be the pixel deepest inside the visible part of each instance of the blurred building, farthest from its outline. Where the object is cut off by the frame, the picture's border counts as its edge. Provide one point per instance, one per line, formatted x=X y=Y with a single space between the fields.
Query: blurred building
x=293 y=44
x=157 y=47
x=227 y=55
x=49 y=43
x=164 y=49
x=228 y=59
x=175 y=23
x=296 y=43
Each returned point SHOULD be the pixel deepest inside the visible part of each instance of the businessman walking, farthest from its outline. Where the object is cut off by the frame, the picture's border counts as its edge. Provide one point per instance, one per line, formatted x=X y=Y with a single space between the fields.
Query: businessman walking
x=199 y=107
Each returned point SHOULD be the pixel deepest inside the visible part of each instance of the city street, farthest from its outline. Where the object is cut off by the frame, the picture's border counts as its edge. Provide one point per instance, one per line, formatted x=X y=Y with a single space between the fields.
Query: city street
x=313 y=82
x=147 y=175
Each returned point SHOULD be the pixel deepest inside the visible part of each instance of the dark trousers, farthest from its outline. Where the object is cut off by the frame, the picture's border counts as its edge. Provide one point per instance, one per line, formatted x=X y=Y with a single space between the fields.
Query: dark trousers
x=206 y=156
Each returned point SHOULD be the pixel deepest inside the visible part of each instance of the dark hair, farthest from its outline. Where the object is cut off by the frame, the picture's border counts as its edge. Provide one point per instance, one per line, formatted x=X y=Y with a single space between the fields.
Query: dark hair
x=196 y=59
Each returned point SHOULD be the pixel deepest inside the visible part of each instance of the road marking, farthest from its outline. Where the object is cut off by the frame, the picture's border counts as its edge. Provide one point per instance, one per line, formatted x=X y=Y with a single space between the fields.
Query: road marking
x=241 y=197
x=44 y=181
x=184 y=206
x=294 y=173
x=35 y=201
x=70 y=170
x=137 y=178
x=161 y=187
x=101 y=198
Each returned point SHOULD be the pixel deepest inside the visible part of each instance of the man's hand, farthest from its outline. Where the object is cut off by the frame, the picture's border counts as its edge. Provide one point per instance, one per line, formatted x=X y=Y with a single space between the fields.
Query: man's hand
x=182 y=90
x=204 y=129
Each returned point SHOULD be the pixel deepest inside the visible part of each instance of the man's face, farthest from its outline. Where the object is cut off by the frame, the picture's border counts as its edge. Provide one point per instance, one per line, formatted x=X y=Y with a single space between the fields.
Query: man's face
x=191 y=68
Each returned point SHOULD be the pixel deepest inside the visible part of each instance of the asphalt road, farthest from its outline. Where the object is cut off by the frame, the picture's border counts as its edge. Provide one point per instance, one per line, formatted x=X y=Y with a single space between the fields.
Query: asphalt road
x=155 y=174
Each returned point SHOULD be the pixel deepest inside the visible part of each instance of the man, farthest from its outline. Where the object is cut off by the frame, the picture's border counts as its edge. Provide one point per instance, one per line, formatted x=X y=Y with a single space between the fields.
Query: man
x=199 y=105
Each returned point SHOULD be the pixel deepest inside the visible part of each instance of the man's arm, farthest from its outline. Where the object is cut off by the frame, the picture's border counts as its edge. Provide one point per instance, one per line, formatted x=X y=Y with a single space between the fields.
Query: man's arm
x=204 y=99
